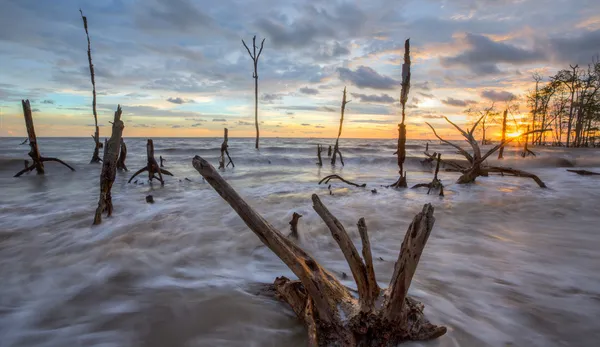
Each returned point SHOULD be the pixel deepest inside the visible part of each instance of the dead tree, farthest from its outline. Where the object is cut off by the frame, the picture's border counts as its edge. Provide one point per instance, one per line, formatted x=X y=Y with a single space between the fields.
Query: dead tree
x=34 y=153
x=435 y=183
x=319 y=150
x=122 y=157
x=254 y=56
x=401 y=151
x=332 y=314
x=96 y=136
x=329 y=151
x=160 y=158
x=501 y=150
x=326 y=180
x=225 y=150
x=476 y=161
x=109 y=168
x=336 y=148
x=151 y=166
x=294 y=225
x=24 y=142
x=526 y=152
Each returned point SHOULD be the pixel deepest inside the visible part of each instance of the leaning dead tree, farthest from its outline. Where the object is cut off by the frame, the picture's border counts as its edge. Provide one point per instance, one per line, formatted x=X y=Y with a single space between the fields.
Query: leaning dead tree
x=96 y=136
x=225 y=150
x=436 y=183
x=151 y=166
x=34 y=153
x=109 y=168
x=254 y=56
x=122 y=157
x=333 y=315
x=401 y=151
x=336 y=147
x=476 y=167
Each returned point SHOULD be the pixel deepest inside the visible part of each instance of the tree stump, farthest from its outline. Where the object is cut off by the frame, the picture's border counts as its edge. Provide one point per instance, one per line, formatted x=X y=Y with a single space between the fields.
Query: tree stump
x=332 y=314
x=151 y=166
x=225 y=151
x=109 y=168
x=122 y=156
x=34 y=153
x=319 y=150
x=436 y=183
x=294 y=225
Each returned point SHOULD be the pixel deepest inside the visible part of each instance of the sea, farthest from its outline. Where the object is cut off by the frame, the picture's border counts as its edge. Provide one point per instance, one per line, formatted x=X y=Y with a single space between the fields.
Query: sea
x=507 y=263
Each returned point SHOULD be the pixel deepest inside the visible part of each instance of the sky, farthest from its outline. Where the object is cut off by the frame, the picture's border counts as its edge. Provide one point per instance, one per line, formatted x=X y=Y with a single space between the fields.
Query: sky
x=178 y=67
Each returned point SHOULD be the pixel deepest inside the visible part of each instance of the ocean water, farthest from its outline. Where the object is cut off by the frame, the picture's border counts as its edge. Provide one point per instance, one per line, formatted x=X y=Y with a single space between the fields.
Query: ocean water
x=507 y=263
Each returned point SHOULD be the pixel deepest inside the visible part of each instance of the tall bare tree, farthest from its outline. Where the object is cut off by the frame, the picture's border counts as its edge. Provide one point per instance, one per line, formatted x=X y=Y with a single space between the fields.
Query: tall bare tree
x=255 y=57
x=96 y=136
x=401 y=150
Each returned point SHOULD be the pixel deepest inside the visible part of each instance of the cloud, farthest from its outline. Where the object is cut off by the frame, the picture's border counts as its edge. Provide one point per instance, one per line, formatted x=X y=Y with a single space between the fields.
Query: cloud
x=458 y=103
x=483 y=54
x=494 y=95
x=308 y=108
x=51 y=102
x=179 y=101
x=426 y=95
x=270 y=98
x=305 y=124
x=219 y=120
x=35 y=110
x=319 y=126
x=366 y=77
x=309 y=91
x=241 y=122
x=176 y=126
x=373 y=121
x=576 y=49
x=378 y=99
x=195 y=125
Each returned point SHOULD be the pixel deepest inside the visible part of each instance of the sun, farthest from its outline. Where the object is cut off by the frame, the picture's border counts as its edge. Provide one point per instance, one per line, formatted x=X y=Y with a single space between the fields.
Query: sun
x=515 y=134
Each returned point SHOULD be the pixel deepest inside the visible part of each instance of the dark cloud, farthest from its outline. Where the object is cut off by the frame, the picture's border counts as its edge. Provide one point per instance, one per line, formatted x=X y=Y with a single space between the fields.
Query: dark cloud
x=179 y=101
x=51 y=102
x=495 y=95
x=366 y=77
x=484 y=54
x=309 y=91
x=305 y=124
x=373 y=121
x=457 y=102
x=270 y=98
x=219 y=120
x=576 y=49
x=377 y=99
x=35 y=110
x=422 y=85
x=308 y=108
x=195 y=125
x=173 y=15
x=241 y=122
x=175 y=126
x=426 y=95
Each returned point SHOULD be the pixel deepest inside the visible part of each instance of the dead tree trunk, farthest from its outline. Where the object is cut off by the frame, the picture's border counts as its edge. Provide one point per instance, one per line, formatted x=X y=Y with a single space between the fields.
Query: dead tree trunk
x=401 y=150
x=294 y=225
x=319 y=149
x=225 y=151
x=331 y=313
x=160 y=158
x=336 y=148
x=435 y=183
x=255 y=57
x=151 y=166
x=329 y=151
x=96 y=136
x=122 y=157
x=34 y=153
x=501 y=150
x=526 y=151
x=476 y=167
x=109 y=168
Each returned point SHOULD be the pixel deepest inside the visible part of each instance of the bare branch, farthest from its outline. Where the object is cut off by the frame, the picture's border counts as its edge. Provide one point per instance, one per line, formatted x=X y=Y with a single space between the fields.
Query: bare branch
x=462 y=151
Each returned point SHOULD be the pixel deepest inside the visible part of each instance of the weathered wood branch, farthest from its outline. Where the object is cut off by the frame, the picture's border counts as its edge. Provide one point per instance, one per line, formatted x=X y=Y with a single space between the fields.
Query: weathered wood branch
x=584 y=172
x=34 y=153
x=436 y=183
x=122 y=156
x=368 y=258
x=336 y=147
x=151 y=166
x=330 y=312
x=326 y=180
x=514 y=172
x=109 y=168
x=462 y=151
x=96 y=136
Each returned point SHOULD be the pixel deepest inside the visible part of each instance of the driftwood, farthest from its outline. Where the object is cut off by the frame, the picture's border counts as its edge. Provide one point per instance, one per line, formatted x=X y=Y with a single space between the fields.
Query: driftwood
x=254 y=56
x=332 y=314
x=294 y=225
x=584 y=172
x=435 y=183
x=225 y=150
x=330 y=177
x=122 y=156
x=24 y=141
x=151 y=166
x=401 y=150
x=96 y=136
x=319 y=150
x=336 y=148
x=109 y=168
x=476 y=167
x=34 y=153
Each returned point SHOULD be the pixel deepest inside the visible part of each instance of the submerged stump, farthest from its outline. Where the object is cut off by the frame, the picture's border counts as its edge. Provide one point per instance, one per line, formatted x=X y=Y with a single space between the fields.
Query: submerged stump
x=122 y=156
x=332 y=314
x=151 y=166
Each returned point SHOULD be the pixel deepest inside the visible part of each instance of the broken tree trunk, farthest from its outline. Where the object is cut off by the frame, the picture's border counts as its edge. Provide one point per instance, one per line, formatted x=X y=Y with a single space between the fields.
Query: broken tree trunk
x=401 y=150
x=34 y=153
x=435 y=183
x=336 y=148
x=476 y=167
x=319 y=150
x=331 y=313
x=501 y=151
x=326 y=180
x=151 y=166
x=526 y=152
x=96 y=136
x=254 y=56
x=224 y=151
x=122 y=157
x=294 y=225
x=160 y=158
x=109 y=168
x=329 y=151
